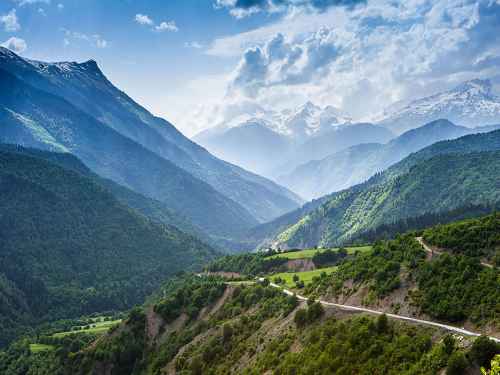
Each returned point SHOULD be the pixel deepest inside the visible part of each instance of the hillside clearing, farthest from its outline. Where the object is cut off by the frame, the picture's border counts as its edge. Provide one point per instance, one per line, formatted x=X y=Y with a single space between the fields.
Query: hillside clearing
x=309 y=253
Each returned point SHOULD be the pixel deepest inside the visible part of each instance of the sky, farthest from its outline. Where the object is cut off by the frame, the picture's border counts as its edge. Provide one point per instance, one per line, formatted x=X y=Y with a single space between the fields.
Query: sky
x=199 y=63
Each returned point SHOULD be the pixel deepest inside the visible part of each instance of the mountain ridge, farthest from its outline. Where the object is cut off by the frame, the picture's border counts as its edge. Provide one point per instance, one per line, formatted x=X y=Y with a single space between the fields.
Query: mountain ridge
x=470 y=103
x=85 y=86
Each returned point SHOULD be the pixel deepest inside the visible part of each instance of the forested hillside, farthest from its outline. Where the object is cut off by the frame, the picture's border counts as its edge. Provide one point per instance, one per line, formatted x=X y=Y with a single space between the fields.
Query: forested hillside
x=151 y=208
x=474 y=237
x=69 y=247
x=205 y=326
x=439 y=178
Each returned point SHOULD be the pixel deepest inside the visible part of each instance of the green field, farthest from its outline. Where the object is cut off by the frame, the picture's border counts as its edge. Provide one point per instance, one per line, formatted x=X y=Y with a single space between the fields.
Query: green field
x=305 y=276
x=97 y=327
x=37 y=348
x=309 y=253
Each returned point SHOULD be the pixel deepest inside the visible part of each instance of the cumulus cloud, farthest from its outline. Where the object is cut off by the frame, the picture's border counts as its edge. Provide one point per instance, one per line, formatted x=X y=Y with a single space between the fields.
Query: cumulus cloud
x=167 y=26
x=363 y=59
x=17 y=45
x=9 y=21
x=243 y=8
x=145 y=20
x=281 y=62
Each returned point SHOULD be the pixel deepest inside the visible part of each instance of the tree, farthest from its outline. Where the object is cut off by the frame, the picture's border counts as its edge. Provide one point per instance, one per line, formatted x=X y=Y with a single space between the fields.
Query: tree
x=314 y=312
x=483 y=350
x=382 y=323
x=227 y=332
x=300 y=318
x=449 y=344
x=495 y=367
x=457 y=363
x=295 y=278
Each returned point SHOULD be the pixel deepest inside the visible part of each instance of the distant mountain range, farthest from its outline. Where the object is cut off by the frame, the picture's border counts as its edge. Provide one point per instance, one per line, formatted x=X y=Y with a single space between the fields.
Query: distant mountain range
x=273 y=143
x=71 y=107
x=462 y=172
x=441 y=177
x=356 y=164
x=471 y=103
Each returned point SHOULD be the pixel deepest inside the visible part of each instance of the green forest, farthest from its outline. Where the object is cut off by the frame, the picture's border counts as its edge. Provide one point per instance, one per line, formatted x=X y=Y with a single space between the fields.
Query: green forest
x=69 y=248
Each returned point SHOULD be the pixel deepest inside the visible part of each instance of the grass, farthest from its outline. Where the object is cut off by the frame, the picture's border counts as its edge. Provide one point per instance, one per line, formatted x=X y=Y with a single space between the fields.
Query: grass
x=37 y=348
x=305 y=276
x=98 y=327
x=309 y=253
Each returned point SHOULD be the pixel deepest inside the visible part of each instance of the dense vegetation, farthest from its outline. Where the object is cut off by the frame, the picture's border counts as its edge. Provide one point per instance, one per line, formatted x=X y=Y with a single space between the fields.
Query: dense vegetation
x=442 y=177
x=251 y=264
x=450 y=288
x=379 y=269
x=69 y=248
x=418 y=223
x=474 y=237
x=256 y=329
x=441 y=183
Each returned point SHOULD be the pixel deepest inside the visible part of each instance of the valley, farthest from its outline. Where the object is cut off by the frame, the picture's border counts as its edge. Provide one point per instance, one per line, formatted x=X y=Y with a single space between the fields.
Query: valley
x=341 y=226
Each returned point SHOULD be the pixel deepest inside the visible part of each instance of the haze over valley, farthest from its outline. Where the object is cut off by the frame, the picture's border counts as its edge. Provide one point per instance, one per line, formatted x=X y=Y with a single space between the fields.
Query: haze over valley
x=249 y=187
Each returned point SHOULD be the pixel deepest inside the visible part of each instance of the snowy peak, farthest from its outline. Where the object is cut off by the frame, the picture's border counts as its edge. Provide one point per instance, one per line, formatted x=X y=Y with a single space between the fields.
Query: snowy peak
x=472 y=103
x=475 y=87
x=309 y=120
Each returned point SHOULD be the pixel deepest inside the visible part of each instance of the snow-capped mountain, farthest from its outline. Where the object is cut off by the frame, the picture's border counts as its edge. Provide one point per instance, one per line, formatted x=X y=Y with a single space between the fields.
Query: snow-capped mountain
x=260 y=140
x=309 y=120
x=471 y=104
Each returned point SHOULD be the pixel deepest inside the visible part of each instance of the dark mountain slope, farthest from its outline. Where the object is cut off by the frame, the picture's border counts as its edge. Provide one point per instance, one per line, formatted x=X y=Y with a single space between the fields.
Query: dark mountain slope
x=86 y=87
x=151 y=208
x=68 y=247
x=34 y=118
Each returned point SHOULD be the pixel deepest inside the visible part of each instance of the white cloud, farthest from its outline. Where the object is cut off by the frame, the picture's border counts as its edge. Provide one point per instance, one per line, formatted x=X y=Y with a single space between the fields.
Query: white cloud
x=9 y=21
x=143 y=19
x=166 y=26
x=245 y=8
x=41 y=11
x=95 y=40
x=60 y=6
x=17 y=45
x=100 y=43
x=29 y=2
x=363 y=59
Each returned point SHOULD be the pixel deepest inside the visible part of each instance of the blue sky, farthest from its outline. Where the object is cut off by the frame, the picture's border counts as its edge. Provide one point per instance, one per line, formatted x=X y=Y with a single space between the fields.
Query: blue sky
x=201 y=62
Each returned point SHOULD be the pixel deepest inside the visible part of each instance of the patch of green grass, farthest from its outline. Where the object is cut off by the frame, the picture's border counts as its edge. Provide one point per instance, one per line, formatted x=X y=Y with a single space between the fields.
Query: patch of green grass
x=309 y=253
x=98 y=327
x=305 y=276
x=37 y=348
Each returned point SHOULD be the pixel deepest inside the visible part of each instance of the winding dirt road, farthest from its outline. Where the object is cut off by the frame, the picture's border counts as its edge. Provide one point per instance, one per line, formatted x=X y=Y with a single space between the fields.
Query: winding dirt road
x=434 y=251
x=447 y=327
